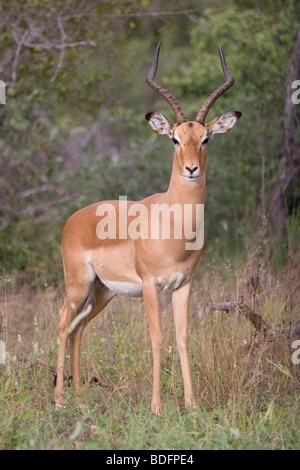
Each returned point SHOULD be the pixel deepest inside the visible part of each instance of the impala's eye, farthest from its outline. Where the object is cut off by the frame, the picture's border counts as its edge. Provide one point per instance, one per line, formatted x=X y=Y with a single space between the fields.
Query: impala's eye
x=205 y=141
x=175 y=142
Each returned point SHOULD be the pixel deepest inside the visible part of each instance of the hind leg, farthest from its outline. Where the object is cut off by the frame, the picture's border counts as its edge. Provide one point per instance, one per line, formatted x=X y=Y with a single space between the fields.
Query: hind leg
x=66 y=315
x=100 y=298
x=76 y=295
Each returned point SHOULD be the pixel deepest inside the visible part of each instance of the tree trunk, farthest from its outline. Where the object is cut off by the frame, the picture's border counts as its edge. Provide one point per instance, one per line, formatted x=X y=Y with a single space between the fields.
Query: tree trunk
x=291 y=149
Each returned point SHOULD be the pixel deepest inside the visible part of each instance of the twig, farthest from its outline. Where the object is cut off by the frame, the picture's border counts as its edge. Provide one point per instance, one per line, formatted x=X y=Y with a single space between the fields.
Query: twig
x=256 y=320
x=16 y=57
x=62 y=52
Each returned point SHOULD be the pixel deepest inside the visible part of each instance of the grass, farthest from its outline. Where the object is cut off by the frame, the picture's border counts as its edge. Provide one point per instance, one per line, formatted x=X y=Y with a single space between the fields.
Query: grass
x=244 y=380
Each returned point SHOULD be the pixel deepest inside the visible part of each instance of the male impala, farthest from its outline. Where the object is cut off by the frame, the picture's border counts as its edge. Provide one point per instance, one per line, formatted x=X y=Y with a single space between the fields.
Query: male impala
x=97 y=268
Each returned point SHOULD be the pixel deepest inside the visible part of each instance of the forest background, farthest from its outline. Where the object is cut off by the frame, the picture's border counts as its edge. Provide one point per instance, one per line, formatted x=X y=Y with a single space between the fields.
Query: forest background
x=73 y=132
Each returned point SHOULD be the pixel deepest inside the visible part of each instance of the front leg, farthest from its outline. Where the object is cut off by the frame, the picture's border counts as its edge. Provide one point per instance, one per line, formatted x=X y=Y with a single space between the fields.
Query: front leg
x=180 y=300
x=153 y=315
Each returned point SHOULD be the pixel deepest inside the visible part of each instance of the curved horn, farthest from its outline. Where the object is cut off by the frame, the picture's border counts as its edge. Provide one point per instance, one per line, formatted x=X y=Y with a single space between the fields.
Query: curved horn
x=163 y=91
x=219 y=91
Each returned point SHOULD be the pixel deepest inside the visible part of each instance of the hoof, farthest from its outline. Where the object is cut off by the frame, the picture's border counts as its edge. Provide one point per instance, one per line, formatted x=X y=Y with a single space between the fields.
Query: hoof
x=156 y=408
x=59 y=401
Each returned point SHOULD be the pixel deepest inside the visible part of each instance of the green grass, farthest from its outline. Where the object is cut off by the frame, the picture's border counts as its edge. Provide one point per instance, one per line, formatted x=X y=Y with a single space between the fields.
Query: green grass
x=244 y=382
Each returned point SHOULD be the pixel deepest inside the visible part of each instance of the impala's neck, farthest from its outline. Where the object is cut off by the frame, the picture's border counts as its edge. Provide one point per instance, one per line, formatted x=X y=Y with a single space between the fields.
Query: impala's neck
x=184 y=191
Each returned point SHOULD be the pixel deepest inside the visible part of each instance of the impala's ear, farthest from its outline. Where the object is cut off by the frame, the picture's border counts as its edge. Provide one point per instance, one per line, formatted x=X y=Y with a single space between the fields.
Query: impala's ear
x=223 y=123
x=160 y=124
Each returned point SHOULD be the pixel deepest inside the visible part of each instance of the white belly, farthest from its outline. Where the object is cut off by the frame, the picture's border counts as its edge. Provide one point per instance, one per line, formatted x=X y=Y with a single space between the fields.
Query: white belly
x=133 y=289
x=126 y=288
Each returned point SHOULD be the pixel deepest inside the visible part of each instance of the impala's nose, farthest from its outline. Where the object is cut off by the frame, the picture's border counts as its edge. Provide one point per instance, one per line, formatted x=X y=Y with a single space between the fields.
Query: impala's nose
x=191 y=170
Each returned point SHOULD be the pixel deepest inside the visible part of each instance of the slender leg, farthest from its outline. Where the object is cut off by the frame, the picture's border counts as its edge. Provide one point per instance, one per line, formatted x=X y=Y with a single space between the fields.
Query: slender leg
x=153 y=315
x=66 y=315
x=76 y=294
x=100 y=299
x=180 y=300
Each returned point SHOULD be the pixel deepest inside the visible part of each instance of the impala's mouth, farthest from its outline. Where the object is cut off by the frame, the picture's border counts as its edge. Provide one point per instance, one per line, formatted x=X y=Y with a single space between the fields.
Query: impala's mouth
x=191 y=177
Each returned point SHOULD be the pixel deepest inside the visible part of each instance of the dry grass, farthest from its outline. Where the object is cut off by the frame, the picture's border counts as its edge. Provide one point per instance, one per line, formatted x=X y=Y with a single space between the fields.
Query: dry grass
x=245 y=383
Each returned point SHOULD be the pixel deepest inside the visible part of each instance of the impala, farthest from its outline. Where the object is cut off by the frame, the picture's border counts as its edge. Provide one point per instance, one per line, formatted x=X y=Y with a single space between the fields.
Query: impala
x=96 y=267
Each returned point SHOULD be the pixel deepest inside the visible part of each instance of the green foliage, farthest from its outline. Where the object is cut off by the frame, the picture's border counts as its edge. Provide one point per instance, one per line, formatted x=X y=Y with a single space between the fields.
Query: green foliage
x=258 y=43
x=75 y=135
